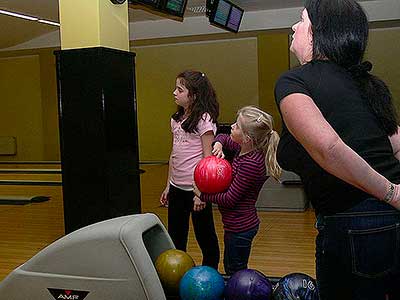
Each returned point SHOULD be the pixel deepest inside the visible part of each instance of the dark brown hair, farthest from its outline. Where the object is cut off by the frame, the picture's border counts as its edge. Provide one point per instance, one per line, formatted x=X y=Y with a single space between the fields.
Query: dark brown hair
x=340 y=34
x=204 y=100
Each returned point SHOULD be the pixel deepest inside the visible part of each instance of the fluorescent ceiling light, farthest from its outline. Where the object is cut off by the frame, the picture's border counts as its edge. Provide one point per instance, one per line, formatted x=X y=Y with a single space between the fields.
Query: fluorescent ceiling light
x=13 y=14
x=49 y=22
x=26 y=17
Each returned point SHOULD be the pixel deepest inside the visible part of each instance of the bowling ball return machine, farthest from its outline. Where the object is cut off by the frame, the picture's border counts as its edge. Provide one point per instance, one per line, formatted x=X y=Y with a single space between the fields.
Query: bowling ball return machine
x=110 y=260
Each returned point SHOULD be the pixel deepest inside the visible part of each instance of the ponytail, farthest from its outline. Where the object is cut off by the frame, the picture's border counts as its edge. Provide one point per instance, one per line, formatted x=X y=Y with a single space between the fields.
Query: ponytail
x=271 y=162
x=340 y=35
x=378 y=96
x=259 y=127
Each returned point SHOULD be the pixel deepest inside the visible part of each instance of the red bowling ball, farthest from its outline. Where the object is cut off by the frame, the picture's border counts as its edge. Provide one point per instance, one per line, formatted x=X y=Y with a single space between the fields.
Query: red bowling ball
x=213 y=175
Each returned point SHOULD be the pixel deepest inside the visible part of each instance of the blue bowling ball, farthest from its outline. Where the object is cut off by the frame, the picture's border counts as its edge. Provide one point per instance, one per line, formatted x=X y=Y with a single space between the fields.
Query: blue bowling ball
x=248 y=284
x=201 y=283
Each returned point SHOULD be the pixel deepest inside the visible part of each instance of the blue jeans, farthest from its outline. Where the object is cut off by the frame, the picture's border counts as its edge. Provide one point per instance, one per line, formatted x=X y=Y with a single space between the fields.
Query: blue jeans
x=237 y=249
x=358 y=253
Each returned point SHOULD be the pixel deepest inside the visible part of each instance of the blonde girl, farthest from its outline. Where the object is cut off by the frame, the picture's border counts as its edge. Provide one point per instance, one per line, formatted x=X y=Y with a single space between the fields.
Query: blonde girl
x=253 y=141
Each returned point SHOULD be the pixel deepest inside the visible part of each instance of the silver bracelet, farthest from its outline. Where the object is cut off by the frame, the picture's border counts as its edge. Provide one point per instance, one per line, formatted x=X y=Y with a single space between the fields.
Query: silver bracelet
x=389 y=195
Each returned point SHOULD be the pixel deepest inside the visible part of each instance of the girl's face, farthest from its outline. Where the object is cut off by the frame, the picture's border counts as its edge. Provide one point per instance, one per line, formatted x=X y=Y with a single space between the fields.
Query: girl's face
x=181 y=94
x=302 y=42
x=237 y=134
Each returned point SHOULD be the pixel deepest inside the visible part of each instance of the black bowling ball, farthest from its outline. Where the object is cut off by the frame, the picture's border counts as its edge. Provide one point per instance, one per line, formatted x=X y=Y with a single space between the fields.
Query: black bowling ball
x=296 y=286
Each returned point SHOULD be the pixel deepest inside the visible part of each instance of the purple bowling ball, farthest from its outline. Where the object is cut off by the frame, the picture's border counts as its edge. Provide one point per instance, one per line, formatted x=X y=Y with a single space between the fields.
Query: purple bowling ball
x=248 y=284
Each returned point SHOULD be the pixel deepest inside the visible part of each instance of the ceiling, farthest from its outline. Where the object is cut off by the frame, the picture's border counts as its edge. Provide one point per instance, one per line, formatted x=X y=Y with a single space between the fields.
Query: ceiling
x=15 y=31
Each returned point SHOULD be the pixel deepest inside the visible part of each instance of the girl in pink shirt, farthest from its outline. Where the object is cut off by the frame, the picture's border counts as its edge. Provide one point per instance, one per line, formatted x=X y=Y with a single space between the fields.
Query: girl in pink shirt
x=193 y=127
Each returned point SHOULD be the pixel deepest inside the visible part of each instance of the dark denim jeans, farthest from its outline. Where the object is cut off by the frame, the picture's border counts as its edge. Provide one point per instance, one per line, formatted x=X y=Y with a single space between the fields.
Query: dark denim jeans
x=358 y=253
x=237 y=249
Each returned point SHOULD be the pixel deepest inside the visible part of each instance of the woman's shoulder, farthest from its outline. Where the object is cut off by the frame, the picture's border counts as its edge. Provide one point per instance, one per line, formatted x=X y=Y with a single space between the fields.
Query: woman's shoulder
x=292 y=81
x=295 y=74
x=303 y=70
x=300 y=79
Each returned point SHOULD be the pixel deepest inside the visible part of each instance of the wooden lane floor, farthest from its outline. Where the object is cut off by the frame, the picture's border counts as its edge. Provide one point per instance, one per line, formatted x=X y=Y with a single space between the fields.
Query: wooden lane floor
x=26 y=229
x=284 y=244
x=29 y=165
x=38 y=177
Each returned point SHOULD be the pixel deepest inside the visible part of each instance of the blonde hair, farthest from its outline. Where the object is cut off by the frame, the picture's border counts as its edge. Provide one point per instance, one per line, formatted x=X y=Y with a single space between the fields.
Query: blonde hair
x=259 y=126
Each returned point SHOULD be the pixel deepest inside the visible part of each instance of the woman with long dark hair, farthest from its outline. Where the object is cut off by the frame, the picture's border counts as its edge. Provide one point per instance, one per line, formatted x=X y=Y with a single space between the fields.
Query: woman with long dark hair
x=341 y=136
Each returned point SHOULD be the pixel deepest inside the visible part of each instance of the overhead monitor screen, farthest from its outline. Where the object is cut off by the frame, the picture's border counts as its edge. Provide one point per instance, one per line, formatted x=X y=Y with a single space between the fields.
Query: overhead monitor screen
x=175 y=5
x=222 y=13
x=225 y=14
x=234 y=18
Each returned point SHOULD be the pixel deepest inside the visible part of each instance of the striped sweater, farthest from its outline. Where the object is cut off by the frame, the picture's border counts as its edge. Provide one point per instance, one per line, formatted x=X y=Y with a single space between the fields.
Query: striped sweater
x=237 y=203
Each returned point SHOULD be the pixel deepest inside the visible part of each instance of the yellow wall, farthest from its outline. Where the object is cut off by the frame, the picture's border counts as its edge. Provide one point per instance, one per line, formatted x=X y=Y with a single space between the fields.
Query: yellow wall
x=21 y=107
x=243 y=72
x=273 y=60
x=383 y=51
x=28 y=85
x=231 y=65
x=51 y=145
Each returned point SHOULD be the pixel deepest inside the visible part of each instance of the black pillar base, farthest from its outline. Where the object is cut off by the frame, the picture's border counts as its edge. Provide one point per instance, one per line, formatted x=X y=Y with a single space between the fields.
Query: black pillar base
x=98 y=132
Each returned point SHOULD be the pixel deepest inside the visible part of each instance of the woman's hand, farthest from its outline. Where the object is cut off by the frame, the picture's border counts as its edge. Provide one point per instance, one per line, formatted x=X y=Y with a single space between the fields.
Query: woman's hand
x=395 y=202
x=217 y=150
x=164 y=197
x=198 y=205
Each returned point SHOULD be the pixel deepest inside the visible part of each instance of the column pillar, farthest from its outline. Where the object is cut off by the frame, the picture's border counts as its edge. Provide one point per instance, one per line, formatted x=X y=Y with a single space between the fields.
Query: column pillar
x=97 y=113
